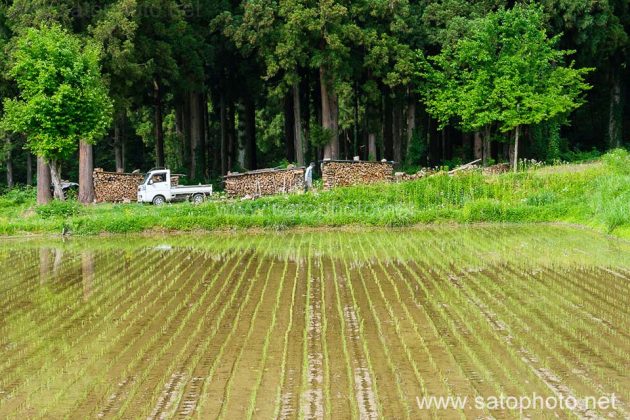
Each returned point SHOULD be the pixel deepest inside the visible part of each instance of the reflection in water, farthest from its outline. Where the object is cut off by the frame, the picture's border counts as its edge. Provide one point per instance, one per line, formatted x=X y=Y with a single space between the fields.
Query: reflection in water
x=58 y=260
x=319 y=324
x=45 y=268
x=88 y=273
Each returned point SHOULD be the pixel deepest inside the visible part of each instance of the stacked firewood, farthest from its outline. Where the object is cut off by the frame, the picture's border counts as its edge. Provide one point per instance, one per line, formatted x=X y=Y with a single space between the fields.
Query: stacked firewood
x=344 y=173
x=115 y=187
x=265 y=182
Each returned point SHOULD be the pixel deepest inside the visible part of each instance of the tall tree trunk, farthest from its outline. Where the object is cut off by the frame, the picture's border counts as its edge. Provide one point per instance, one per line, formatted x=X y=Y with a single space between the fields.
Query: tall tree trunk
x=86 y=169
x=207 y=144
x=298 y=137
x=195 y=135
x=159 y=128
x=397 y=127
x=305 y=92
x=250 y=133
x=182 y=117
x=29 y=168
x=388 y=126
x=478 y=146
x=411 y=126
x=9 y=164
x=55 y=175
x=355 y=127
x=515 y=161
x=231 y=126
x=43 y=181
x=224 y=135
x=201 y=153
x=330 y=114
x=372 y=146
x=289 y=128
x=487 y=146
x=615 y=112
x=118 y=144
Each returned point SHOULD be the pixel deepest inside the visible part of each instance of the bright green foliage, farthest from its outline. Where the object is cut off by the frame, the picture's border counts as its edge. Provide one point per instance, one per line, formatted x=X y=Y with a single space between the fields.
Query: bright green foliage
x=594 y=195
x=506 y=71
x=62 y=97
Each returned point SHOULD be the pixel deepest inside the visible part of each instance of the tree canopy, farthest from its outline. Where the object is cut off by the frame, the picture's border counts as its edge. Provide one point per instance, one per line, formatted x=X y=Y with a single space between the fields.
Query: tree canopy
x=62 y=99
x=505 y=71
x=207 y=87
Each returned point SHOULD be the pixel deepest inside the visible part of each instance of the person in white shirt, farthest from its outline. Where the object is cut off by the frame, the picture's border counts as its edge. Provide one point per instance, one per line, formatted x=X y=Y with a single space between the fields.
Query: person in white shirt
x=308 y=176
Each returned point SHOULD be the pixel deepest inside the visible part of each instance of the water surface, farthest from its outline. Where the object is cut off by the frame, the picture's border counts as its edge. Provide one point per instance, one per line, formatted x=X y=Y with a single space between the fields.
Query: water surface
x=319 y=325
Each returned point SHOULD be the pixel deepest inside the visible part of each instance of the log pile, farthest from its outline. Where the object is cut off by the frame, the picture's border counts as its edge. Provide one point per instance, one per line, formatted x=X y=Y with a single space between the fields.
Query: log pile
x=422 y=173
x=254 y=184
x=115 y=187
x=500 y=168
x=337 y=173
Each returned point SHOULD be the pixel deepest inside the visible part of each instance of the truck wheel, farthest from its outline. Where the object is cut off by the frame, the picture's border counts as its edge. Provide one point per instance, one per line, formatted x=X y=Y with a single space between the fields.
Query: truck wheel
x=198 y=198
x=158 y=200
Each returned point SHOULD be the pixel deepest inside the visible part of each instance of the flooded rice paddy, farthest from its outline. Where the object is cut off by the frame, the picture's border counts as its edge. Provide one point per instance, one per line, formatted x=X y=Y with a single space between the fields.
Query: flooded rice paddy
x=314 y=325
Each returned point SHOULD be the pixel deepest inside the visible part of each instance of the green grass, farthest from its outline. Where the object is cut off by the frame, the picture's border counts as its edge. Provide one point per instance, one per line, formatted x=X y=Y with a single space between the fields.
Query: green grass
x=595 y=195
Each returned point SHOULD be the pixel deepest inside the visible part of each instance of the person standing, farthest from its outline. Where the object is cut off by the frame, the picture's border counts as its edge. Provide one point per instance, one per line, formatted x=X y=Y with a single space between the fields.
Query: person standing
x=308 y=176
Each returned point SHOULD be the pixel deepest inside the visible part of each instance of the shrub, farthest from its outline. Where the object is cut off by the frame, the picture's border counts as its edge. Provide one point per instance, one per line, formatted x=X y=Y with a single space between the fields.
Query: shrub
x=483 y=210
x=58 y=209
x=618 y=161
x=17 y=197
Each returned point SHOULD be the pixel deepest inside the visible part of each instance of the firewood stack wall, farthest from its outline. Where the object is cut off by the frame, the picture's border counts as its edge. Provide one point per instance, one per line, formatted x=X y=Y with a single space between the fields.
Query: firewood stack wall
x=340 y=174
x=265 y=182
x=115 y=187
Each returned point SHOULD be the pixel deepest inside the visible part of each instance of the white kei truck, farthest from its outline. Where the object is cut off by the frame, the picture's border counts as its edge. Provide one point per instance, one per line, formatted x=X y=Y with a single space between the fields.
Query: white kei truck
x=157 y=189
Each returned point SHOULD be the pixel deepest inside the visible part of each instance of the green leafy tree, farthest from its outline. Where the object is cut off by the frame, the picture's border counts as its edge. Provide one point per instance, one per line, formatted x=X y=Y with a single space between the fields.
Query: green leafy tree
x=505 y=72
x=62 y=98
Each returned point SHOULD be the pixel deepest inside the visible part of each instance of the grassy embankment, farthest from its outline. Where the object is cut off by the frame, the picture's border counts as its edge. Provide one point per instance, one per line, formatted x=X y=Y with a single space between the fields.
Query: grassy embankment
x=595 y=195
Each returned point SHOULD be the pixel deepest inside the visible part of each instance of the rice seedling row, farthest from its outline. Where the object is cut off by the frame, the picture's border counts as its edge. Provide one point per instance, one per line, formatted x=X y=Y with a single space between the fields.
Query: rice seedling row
x=560 y=359
x=46 y=334
x=358 y=380
x=195 y=397
x=218 y=370
x=287 y=394
x=265 y=363
x=256 y=319
x=413 y=350
x=122 y=355
x=313 y=325
x=581 y=383
x=150 y=370
x=476 y=357
x=366 y=386
x=404 y=400
x=187 y=400
x=178 y=374
x=71 y=347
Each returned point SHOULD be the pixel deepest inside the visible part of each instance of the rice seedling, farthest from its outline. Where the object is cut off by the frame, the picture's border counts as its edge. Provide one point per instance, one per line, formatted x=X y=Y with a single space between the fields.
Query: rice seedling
x=313 y=325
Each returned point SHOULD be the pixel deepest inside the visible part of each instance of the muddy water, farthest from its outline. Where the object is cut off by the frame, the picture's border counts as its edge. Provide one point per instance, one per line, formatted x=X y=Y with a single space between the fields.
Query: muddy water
x=315 y=325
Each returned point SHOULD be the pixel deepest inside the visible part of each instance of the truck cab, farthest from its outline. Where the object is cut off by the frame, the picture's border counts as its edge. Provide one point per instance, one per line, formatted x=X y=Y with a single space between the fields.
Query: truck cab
x=157 y=188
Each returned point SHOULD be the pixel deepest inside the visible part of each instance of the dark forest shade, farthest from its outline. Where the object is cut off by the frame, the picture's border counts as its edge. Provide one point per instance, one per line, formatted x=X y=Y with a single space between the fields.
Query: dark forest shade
x=229 y=86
